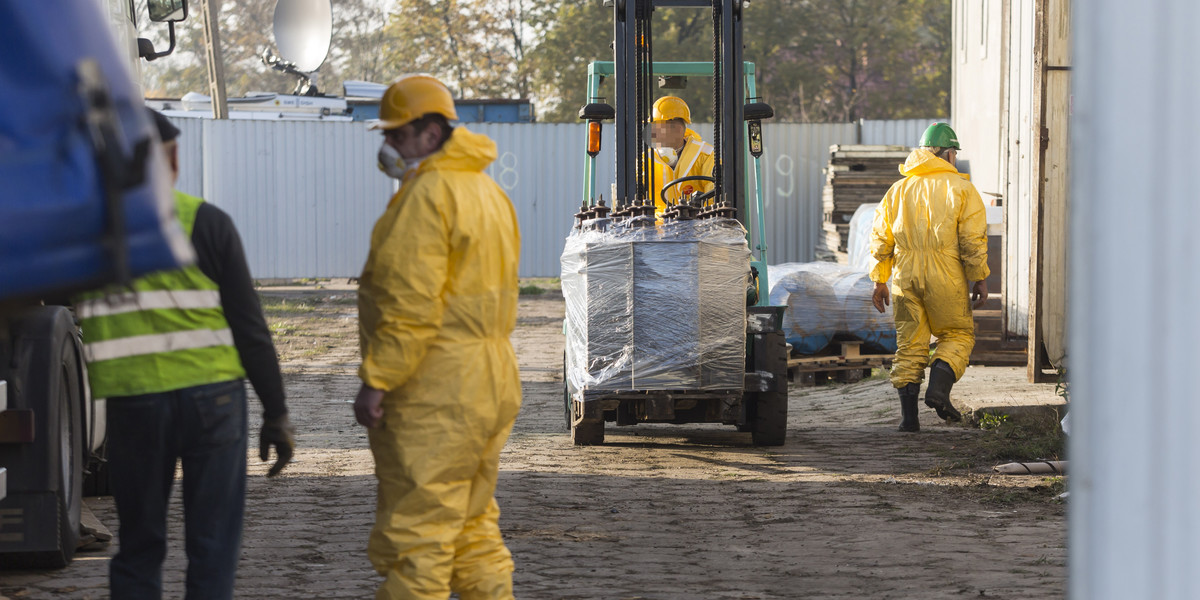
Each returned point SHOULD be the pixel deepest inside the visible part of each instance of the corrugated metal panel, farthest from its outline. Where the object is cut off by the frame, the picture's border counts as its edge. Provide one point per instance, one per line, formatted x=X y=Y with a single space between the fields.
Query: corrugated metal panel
x=305 y=195
x=793 y=164
x=191 y=160
x=541 y=168
x=901 y=132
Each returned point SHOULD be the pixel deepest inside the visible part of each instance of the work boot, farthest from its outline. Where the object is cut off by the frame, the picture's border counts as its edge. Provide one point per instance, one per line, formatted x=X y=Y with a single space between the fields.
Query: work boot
x=937 y=395
x=909 y=395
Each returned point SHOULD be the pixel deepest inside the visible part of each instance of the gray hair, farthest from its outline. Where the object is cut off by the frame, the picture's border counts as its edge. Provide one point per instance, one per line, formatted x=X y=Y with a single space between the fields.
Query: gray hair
x=939 y=151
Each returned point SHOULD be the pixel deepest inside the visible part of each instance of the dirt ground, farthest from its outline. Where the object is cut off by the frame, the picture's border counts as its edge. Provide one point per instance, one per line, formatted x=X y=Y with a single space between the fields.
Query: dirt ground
x=848 y=508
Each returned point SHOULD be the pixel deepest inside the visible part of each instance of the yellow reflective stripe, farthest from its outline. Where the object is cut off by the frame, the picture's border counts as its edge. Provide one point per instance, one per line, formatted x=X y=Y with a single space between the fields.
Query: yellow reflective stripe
x=150 y=300
x=156 y=344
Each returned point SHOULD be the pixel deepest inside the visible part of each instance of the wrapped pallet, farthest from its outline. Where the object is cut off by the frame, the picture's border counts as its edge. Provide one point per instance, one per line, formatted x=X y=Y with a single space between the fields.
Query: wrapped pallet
x=826 y=301
x=813 y=313
x=656 y=307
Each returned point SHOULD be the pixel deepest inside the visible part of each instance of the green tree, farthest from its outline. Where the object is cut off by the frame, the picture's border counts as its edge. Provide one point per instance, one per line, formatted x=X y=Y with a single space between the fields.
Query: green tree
x=578 y=32
x=842 y=60
x=817 y=60
x=477 y=47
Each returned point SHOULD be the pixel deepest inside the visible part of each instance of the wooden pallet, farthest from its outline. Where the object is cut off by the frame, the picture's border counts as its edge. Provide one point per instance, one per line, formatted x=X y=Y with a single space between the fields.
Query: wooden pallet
x=843 y=362
x=855 y=175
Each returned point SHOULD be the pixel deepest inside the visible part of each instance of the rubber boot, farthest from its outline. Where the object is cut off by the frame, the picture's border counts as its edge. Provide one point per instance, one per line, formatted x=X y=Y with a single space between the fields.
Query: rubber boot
x=909 y=395
x=937 y=395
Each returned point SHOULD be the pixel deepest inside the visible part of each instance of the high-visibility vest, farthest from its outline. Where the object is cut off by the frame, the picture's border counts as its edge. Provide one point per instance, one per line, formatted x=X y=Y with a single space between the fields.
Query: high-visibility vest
x=167 y=333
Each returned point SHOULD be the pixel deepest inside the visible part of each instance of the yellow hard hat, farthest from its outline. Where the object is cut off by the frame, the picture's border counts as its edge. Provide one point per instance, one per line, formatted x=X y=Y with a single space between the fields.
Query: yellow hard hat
x=412 y=97
x=671 y=107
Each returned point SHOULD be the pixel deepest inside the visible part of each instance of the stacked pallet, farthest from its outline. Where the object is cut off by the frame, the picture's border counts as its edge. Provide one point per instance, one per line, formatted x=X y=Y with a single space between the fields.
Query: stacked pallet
x=856 y=175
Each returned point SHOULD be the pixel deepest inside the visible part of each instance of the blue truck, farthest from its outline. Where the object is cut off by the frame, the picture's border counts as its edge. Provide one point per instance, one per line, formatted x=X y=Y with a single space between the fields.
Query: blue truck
x=85 y=203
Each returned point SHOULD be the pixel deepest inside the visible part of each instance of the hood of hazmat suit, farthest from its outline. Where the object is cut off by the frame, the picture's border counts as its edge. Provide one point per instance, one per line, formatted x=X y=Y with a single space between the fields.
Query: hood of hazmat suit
x=930 y=238
x=437 y=303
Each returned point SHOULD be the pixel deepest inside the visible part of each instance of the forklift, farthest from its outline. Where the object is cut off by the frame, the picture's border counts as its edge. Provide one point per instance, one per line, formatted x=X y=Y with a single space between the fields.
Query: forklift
x=668 y=318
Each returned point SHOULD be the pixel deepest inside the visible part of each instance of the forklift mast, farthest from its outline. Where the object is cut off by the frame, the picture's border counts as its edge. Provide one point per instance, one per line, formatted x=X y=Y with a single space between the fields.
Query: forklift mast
x=634 y=60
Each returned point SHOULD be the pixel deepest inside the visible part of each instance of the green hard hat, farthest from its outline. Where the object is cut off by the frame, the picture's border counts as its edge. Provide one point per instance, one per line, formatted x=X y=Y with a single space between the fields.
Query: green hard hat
x=939 y=135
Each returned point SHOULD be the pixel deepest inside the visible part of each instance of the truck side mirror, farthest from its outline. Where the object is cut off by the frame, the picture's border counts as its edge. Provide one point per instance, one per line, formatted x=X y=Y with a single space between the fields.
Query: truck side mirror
x=167 y=11
x=162 y=11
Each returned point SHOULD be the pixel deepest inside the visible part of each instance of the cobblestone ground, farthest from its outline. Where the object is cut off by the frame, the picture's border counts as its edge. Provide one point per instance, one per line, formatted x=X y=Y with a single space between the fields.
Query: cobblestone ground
x=848 y=508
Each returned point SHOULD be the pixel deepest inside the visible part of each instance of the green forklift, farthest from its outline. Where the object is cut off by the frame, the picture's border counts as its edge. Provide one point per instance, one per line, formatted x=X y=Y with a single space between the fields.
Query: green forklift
x=668 y=319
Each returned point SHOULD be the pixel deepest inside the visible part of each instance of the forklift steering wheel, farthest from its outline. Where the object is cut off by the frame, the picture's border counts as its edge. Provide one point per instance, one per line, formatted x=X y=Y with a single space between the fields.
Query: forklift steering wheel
x=705 y=196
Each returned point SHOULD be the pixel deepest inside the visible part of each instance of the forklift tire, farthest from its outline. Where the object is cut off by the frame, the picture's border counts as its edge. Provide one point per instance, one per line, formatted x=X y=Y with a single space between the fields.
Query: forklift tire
x=48 y=497
x=770 y=420
x=770 y=409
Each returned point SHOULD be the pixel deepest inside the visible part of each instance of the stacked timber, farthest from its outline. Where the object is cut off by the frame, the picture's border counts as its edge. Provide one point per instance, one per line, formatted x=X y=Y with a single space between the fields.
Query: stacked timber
x=855 y=175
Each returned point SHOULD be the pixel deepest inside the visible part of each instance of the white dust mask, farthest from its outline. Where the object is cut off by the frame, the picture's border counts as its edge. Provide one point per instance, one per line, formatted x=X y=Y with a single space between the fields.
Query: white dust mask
x=669 y=155
x=391 y=163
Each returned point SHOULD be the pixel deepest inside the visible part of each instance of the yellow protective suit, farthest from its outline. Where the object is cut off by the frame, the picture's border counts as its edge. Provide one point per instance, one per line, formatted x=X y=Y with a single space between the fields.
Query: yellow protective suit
x=696 y=159
x=437 y=302
x=930 y=238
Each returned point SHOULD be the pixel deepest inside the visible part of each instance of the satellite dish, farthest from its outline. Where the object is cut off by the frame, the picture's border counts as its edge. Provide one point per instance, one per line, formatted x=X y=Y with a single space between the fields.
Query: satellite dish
x=303 y=29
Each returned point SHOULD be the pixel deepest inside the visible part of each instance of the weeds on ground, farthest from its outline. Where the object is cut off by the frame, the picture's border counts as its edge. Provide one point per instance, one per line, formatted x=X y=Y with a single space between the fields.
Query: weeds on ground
x=536 y=286
x=991 y=421
x=276 y=306
x=1063 y=387
x=1049 y=489
x=1008 y=440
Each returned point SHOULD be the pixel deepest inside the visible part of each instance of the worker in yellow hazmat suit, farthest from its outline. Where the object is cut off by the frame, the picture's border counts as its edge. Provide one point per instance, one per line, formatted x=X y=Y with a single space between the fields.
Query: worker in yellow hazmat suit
x=678 y=152
x=440 y=389
x=930 y=238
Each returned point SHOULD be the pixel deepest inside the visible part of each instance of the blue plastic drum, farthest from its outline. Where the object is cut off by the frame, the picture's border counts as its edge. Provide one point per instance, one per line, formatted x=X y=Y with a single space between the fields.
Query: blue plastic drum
x=860 y=319
x=813 y=311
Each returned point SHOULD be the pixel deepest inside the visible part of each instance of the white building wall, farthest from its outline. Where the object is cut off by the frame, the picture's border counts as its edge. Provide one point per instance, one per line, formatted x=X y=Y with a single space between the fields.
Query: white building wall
x=993 y=112
x=977 y=99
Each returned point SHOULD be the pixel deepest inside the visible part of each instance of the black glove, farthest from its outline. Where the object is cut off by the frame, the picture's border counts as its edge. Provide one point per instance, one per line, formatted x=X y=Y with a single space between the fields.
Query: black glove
x=280 y=433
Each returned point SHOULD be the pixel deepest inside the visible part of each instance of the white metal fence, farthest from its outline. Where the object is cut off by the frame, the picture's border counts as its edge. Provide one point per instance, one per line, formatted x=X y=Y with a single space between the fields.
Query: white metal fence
x=305 y=195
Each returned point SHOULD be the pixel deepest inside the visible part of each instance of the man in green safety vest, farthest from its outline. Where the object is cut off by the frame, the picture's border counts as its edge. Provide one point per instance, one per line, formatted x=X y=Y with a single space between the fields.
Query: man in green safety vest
x=170 y=356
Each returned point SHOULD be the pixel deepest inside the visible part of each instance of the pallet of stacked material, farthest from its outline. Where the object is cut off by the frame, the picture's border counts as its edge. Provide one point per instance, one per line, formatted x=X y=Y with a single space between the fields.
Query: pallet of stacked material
x=833 y=249
x=855 y=175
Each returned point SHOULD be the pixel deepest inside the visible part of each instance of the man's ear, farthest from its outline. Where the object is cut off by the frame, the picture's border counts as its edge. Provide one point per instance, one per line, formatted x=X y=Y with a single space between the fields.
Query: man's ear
x=431 y=138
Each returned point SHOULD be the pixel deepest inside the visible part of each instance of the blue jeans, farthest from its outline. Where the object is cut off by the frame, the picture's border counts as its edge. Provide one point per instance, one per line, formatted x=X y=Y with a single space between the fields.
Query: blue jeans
x=205 y=427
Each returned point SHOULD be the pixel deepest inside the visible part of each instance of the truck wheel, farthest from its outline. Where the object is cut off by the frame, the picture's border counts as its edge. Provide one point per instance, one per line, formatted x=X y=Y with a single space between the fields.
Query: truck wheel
x=47 y=368
x=769 y=410
x=70 y=439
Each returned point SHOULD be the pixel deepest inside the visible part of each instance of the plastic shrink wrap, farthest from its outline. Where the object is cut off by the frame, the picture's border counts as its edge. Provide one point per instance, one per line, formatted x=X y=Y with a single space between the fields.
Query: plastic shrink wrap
x=655 y=307
x=859 y=244
x=827 y=300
